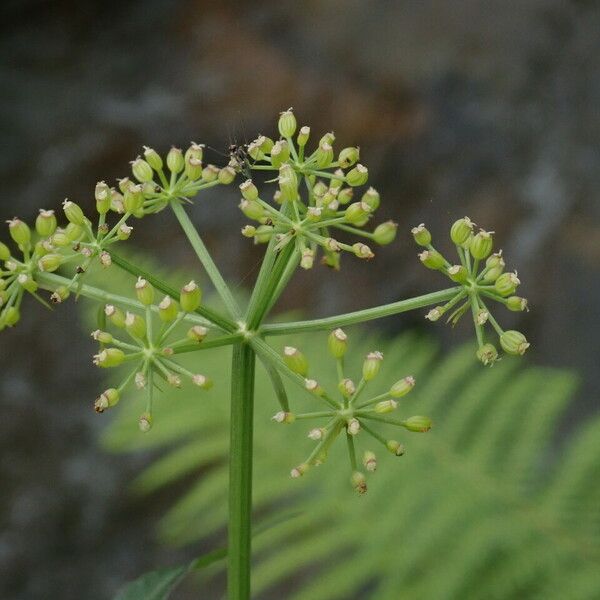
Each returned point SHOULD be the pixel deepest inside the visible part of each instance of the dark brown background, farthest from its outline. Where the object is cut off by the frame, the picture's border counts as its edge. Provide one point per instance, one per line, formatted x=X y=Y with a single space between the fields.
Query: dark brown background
x=467 y=107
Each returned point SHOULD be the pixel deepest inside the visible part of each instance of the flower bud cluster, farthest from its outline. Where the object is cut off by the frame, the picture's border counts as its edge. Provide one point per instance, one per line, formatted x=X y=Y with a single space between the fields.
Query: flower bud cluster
x=316 y=193
x=147 y=347
x=348 y=412
x=480 y=275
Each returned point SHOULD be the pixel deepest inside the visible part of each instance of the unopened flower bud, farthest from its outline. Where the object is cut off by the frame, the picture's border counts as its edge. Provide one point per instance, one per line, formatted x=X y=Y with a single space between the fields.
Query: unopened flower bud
x=482 y=316
x=174 y=380
x=345 y=195
x=362 y=251
x=348 y=157
x=435 y=314
x=135 y=325
x=494 y=267
x=287 y=123
x=107 y=399
x=133 y=199
x=4 y=252
x=141 y=170
x=283 y=417
x=202 y=382
x=395 y=447
x=105 y=259
x=324 y=155
x=197 y=333
x=461 y=231
x=115 y=315
x=249 y=190
x=386 y=406
x=313 y=386
x=175 y=161
x=144 y=291
x=299 y=470
x=353 y=426
x=73 y=232
x=357 y=176
x=102 y=336
x=103 y=197
x=288 y=183
x=190 y=297
x=27 y=282
x=19 y=232
x=337 y=343
x=418 y=424
x=50 y=262
x=369 y=461
x=303 y=136
x=109 y=357
x=168 y=309
x=359 y=482
x=487 y=354
x=252 y=209
x=481 y=244
x=516 y=303
x=316 y=434
x=432 y=259
x=506 y=284
x=60 y=294
x=357 y=213
x=402 y=387
x=124 y=232
x=10 y=317
x=73 y=213
x=347 y=387
x=371 y=365
x=153 y=158
x=295 y=360
x=45 y=224
x=308 y=258
x=193 y=168
x=514 y=342
x=226 y=175
x=210 y=173
x=140 y=380
x=421 y=235
x=249 y=231
x=145 y=422
x=385 y=233
x=280 y=152
x=458 y=273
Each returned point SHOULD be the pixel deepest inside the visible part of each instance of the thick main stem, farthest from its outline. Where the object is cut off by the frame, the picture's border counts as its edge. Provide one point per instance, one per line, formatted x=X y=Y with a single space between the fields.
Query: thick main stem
x=240 y=471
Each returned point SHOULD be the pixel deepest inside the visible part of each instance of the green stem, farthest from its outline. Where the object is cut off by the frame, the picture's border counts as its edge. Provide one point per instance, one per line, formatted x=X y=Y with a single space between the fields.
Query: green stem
x=360 y=316
x=206 y=260
x=240 y=471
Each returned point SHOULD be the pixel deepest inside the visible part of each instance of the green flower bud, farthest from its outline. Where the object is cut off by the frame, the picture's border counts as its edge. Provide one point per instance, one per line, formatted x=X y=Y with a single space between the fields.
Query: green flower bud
x=73 y=232
x=202 y=381
x=402 y=387
x=116 y=202
x=358 y=213
x=516 y=303
x=144 y=291
x=506 y=284
x=263 y=234
x=357 y=176
x=324 y=155
x=494 y=267
x=195 y=151
x=103 y=196
x=348 y=157
x=359 y=482
x=145 y=422
x=299 y=470
x=115 y=315
x=125 y=183
x=107 y=399
x=372 y=198
x=487 y=354
x=369 y=461
x=175 y=160
x=481 y=244
x=418 y=424
x=385 y=233
x=153 y=158
x=435 y=314
x=249 y=231
x=141 y=170
x=252 y=209
x=193 y=168
x=280 y=152
x=395 y=447
x=362 y=250
x=210 y=173
x=168 y=309
x=197 y=333
x=314 y=213
x=73 y=213
x=60 y=294
x=226 y=175
x=45 y=224
x=319 y=189
x=4 y=252
x=249 y=190
x=109 y=357
x=345 y=195
x=313 y=387
x=27 y=282
x=124 y=232
x=386 y=406
x=288 y=183
x=514 y=342
x=337 y=343
x=303 y=136
x=135 y=325
x=190 y=297
x=432 y=259
x=371 y=365
x=11 y=316
x=353 y=426
x=284 y=417
x=295 y=360
x=421 y=235
x=461 y=231
x=346 y=387
x=307 y=259
x=458 y=273
x=19 y=232
x=133 y=199
x=287 y=123
x=102 y=336
x=50 y=262
x=328 y=138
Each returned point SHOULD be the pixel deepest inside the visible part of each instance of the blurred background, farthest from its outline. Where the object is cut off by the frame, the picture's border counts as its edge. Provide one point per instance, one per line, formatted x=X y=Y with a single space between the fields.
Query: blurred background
x=476 y=108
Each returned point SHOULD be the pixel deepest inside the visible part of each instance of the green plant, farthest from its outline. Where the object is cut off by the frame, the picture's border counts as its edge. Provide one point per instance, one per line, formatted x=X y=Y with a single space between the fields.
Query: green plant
x=312 y=198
